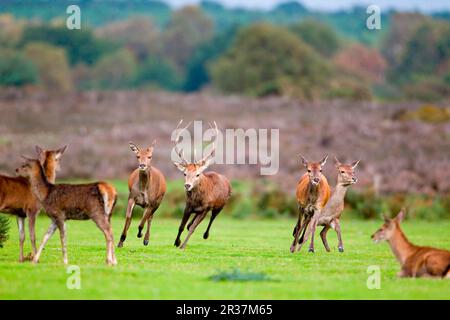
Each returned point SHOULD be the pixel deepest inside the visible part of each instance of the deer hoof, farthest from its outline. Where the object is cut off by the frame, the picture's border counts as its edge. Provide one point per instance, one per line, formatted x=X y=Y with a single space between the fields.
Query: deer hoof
x=311 y=250
x=145 y=242
x=292 y=249
x=177 y=243
x=205 y=236
x=120 y=244
x=341 y=249
x=139 y=235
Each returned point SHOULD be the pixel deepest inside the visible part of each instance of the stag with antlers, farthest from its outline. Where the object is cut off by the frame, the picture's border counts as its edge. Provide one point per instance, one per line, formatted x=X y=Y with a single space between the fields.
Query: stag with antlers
x=205 y=191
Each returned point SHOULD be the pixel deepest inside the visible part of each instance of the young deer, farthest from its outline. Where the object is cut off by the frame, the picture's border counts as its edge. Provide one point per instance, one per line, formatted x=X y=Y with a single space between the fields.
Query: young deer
x=415 y=261
x=330 y=214
x=17 y=199
x=71 y=202
x=313 y=193
x=147 y=187
x=204 y=191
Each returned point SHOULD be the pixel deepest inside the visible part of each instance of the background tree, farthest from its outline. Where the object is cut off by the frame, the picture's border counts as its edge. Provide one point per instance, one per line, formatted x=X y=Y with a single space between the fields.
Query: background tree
x=187 y=29
x=52 y=65
x=16 y=69
x=115 y=70
x=138 y=34
x=158 y=73
x=318 y=35
x=266 y=59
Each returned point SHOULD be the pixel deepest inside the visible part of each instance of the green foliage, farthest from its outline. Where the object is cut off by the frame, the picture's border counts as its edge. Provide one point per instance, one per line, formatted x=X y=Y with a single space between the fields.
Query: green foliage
x=318 y=35
x=115 y=70
x=52 y=65
x=427 y=113
x=81 y=45
x=266 y=60
x=4 y=229
x=238 y=275
x=158 y=72
x=16 y=69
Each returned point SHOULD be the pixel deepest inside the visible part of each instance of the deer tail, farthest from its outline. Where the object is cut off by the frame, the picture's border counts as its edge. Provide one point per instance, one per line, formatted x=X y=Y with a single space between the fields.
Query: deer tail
x=109 y=197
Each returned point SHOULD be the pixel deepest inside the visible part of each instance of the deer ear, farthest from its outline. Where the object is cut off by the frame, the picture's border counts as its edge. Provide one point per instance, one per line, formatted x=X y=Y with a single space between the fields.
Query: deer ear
x=179 y=166
x=304 y=161
x=39 y=150
x=336 y=161
x=134 y=147
x=60 y=152
x=154 y=143
x=355 y=164
x=401 y=215
x=324 y=160
x=385 y=218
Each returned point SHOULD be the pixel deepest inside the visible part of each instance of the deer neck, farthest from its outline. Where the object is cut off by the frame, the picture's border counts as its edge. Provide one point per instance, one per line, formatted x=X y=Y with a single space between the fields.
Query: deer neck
x=50 y=171
x=144 y=177
x=40 y=185
x=400 y=245
x=336 y=201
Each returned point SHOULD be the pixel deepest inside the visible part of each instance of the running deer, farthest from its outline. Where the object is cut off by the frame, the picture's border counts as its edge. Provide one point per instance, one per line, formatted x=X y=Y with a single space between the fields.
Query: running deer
x=147 y=187
x=312 y=194
x=415 y=261
x=329 y=216
x=71 y=202
x=205 y=192
x=17 y=199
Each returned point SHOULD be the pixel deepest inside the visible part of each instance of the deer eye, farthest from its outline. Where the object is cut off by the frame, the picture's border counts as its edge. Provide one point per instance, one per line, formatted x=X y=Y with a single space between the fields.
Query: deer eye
x=320 y=170
x=198 y=174
x=309 y=170
x=342 y=171
x=184 y=174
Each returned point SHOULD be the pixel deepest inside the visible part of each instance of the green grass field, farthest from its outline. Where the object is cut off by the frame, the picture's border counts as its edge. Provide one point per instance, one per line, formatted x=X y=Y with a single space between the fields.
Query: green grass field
x=161 y=271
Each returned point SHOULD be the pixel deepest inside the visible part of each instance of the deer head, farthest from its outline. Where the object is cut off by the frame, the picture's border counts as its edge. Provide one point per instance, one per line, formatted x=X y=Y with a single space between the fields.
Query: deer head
x=346 y=172
x=193 y=171
x=144 y=156
x=50 y=158
x=30 y=168
x=388 y=228
x=314 y=169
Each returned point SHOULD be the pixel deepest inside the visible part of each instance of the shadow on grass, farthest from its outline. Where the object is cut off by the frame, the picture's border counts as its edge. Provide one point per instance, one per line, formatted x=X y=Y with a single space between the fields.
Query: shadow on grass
x=239 y=276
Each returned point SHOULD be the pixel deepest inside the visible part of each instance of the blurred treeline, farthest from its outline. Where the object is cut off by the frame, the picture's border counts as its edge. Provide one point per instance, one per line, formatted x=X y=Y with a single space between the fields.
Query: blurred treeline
x=288 y=51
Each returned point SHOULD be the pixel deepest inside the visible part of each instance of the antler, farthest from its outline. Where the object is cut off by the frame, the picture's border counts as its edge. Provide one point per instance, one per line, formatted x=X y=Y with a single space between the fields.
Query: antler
x=213 y=143
x=177 y=138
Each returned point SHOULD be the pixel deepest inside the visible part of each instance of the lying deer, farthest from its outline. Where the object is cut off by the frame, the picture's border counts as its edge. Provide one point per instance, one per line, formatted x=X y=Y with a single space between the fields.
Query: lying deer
x=313 y=193
x=205 y=192
x=329 y=216
x=147 y=187
x=415 y=261
x=17 y=199
x=71 y=202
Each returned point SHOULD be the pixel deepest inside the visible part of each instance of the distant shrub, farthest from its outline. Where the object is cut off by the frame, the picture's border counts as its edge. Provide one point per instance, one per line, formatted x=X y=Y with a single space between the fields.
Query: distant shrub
x=4 y=229
x=427 y=113
x=16 y=69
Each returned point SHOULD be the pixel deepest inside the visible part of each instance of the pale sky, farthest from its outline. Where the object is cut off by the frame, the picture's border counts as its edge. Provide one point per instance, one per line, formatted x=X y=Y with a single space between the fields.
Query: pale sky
x=422 y=5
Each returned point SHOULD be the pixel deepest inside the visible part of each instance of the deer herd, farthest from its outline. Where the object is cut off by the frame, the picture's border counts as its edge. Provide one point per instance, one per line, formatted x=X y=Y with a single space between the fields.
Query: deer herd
x=34 y=188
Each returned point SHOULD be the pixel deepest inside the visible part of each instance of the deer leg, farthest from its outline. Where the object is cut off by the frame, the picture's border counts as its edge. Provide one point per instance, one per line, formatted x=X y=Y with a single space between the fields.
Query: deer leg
x=128 y=215
x=62 y=234
x=31 y=225
x=192 y=221
x=297 y=230
x=303 y=229
x=21 y=225
x=313 y=226
x=197 y=221
x=214 y=214
x=104 y=225
x=323 y=235
x=51 y=230
x=338 y=231
x=149 y=223
x=184 y=220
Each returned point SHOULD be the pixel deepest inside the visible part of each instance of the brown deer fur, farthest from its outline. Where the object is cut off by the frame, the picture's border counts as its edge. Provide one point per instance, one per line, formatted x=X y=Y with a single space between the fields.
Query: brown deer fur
x=415 y=261
x=329 y=216
x=17 y=199
x=204 y=192
x=147 y=187
x=71 y=202
x=312 y=194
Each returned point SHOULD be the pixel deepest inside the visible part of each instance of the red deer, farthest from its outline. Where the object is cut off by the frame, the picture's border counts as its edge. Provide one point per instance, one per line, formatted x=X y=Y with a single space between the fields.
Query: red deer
x=313 y=193
x=63 y=202
x=331 y=213
x=17 y=199
x=147 y=187
x=415 y=261
x=205 y=192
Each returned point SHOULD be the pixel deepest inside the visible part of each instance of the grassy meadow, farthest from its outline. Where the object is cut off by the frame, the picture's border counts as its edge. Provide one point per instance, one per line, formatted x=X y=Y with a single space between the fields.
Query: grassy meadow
x=161 y=271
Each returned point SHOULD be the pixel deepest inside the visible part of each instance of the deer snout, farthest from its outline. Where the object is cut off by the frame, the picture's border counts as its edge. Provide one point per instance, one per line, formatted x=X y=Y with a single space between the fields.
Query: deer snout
x=354 y=180
x=142 y=166
x=188 y=186
x=316 y=180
